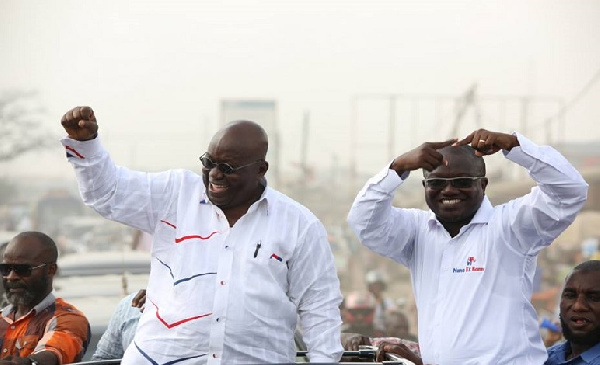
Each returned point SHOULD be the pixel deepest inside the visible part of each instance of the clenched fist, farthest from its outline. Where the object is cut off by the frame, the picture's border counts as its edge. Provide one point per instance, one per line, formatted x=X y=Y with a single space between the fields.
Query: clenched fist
x=80 y=123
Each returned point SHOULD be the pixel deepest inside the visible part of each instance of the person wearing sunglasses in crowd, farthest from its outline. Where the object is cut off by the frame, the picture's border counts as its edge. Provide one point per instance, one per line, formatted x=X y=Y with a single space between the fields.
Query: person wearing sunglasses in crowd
x=471 y=263
x=36 y=327
x=235 y=262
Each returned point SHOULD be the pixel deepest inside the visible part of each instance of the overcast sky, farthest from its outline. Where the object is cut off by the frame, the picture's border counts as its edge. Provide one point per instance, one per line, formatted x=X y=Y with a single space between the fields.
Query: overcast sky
x=154 y=71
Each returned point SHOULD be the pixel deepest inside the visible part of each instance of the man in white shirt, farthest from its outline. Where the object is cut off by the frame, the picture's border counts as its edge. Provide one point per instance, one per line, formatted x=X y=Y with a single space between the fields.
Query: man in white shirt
x=234 y=262
x=471 y=264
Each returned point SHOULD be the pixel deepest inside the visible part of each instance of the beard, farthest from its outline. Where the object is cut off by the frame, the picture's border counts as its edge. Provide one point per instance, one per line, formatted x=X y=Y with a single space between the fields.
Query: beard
x=30 y=295
x=588 y=339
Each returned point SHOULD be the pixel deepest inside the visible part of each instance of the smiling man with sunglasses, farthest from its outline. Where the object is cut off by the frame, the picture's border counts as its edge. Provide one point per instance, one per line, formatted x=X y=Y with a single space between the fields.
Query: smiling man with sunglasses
x=235 y=263
x=36 y=327
x=472 y=264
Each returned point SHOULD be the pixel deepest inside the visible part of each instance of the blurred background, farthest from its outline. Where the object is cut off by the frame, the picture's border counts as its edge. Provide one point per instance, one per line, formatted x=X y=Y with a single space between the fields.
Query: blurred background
x=342 y=87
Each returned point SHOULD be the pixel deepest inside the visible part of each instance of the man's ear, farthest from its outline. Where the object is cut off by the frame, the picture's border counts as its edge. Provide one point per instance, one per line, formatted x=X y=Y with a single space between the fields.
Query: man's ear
x=484 y=183
x=263 y=168
x=52 y=269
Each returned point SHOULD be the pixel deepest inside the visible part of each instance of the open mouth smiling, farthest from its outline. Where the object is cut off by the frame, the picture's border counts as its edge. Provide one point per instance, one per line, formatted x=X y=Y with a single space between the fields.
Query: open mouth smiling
x=217 y=188
x=449 y=202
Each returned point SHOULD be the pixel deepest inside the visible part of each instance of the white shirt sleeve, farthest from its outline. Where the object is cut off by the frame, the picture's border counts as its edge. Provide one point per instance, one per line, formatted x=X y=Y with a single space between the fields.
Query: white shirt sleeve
x=376 y=222
x=117 y=193
x=538 y=218
x=314 y=288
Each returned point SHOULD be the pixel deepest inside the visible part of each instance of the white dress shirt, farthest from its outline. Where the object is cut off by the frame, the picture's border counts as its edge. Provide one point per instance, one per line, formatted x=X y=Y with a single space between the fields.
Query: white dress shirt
x=218 y=294
x=473 y=290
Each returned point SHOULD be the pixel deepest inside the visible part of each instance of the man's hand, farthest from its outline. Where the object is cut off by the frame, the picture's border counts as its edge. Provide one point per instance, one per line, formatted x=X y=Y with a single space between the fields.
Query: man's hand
x=426 y=157
x=353 y=341
x=399 y=349
x=487 y=143
x=139 y=299
x=80 y=123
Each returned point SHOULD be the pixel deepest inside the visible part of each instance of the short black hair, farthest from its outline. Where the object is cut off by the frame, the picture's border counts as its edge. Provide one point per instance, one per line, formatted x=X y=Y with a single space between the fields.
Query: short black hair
x=590 y=265
x=45 y=240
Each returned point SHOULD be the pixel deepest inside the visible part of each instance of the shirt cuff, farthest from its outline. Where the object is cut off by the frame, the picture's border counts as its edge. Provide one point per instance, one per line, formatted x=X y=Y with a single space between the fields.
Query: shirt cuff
x=523 y=153
x=82 y=149
x=388 y=179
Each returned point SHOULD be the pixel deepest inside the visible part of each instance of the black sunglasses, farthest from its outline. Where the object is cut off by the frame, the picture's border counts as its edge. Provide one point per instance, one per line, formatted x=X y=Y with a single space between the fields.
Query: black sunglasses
x=225 y=168
x=23 y=270
x=438 y=183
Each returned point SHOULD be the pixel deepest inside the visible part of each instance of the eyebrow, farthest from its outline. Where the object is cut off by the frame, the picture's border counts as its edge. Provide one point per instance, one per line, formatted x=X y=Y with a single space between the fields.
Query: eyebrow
x=586 y=291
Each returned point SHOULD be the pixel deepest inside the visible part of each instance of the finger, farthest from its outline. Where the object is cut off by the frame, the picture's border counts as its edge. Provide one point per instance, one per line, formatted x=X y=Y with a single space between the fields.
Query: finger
x=77 y=113
x=70 y=117
x=465 y=141
x=64 y=121
x=87 y=113
x=438 y=145
x=434 y=159
x=89 y=124
x=68 y=121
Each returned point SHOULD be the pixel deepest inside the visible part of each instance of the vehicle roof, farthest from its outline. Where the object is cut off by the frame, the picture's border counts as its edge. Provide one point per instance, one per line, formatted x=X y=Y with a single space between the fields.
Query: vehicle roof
x=104 y=263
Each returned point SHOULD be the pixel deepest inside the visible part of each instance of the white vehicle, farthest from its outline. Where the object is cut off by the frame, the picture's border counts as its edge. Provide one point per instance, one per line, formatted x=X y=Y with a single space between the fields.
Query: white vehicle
x=95 y=282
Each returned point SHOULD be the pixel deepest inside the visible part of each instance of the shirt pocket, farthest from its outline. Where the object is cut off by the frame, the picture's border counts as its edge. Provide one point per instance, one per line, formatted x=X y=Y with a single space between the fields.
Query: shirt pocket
x=26 y=345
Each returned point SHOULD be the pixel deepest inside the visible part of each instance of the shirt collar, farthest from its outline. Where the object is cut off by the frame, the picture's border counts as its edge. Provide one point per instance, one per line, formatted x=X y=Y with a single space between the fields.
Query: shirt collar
x=591 y=354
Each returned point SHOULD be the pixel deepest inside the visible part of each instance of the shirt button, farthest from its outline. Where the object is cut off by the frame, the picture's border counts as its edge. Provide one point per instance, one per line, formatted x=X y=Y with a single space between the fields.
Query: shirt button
x=222 y=282
x=4 y=350
x=12 y=327
x=217 y=319
x=214 y=355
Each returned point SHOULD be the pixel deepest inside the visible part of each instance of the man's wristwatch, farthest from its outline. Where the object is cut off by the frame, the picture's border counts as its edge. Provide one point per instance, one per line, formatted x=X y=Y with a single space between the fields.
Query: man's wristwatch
x=33 y=361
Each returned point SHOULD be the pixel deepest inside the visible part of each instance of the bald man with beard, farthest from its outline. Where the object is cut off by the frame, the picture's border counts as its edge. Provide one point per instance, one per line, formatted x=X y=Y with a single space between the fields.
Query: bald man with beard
x=234 y=262
x=36 y=327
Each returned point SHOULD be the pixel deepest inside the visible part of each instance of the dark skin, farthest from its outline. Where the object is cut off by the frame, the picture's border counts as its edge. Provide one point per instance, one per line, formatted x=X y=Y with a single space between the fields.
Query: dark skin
x=238 y=143
x=80 y=123
x=580 y=311
x=399 y=349
x=353 y=341
x=139 y=299
x=28 y=250
x=453 y=207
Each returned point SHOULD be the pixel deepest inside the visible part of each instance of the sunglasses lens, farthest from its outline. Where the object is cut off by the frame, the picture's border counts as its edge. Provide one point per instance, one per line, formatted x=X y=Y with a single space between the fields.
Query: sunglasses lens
x=462 y=183
x=206 y=162
x=19 y=269
x=226 y=168
x=436 y=184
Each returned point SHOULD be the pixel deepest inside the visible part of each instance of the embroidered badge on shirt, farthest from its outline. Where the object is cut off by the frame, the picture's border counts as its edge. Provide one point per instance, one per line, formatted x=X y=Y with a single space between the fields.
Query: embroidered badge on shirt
x=470 y=267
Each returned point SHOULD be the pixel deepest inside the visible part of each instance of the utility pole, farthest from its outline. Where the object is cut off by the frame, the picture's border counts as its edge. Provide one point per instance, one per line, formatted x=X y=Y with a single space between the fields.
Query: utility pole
x=353 y=141
x=304 y=142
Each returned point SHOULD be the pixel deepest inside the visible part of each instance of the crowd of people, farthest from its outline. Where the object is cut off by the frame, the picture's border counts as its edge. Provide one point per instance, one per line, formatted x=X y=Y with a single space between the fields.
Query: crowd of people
x=240 y=271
